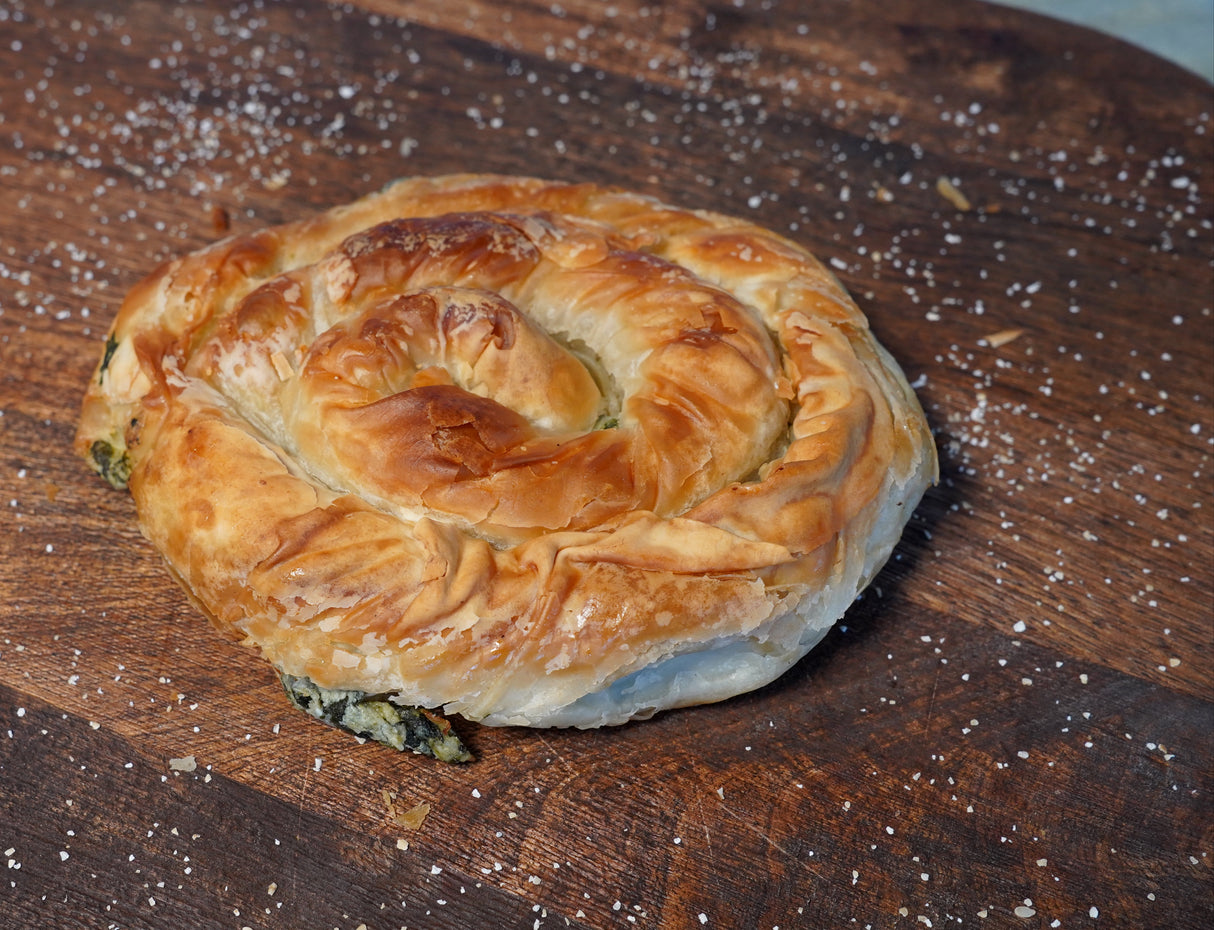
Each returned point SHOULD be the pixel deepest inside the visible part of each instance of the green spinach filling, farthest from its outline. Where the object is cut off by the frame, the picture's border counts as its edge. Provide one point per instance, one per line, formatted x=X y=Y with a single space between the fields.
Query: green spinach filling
x=376 y=718
x=113 y=465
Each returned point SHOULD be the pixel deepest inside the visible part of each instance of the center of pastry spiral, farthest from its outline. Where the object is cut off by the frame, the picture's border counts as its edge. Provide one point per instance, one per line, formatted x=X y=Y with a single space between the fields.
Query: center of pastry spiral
x=427 y=363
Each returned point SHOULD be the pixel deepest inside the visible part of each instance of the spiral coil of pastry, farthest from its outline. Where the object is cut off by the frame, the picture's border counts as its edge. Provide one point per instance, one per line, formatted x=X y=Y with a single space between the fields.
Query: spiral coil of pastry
x=537 y=453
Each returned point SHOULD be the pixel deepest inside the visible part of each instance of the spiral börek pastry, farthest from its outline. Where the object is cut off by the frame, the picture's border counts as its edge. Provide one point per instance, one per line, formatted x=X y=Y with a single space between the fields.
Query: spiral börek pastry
x=535 y=453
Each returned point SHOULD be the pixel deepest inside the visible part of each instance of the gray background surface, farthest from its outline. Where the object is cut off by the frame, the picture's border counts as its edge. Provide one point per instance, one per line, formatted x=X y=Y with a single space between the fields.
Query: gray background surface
x=1181 y=30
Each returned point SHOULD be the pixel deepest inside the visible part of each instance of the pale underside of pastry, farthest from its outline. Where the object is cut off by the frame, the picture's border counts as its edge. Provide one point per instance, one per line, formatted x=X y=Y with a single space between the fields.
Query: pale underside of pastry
x=535 y=453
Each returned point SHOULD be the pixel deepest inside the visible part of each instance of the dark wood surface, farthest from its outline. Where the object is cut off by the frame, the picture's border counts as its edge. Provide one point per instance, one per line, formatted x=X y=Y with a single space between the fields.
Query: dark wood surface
x=1012 y=729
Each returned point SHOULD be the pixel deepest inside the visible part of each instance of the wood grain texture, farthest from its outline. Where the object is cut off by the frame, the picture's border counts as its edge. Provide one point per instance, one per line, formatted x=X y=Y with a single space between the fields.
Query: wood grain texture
x=1011 y=729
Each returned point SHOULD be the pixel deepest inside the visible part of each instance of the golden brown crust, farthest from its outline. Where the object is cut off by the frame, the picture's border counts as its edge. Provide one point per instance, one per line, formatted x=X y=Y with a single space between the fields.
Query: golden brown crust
x=366 y=443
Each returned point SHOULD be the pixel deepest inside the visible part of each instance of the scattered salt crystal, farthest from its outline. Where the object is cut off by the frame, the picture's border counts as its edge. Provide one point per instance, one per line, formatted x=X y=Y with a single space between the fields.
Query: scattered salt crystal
x=183 y=764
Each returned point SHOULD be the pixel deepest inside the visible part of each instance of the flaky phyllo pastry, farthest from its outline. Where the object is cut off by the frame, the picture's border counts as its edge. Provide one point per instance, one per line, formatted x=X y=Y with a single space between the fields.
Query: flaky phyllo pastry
x=532 y=453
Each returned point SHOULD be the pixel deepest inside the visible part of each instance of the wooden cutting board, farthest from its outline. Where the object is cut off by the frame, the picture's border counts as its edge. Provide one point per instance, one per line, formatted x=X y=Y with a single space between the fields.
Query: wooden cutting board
x=1011 y=729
